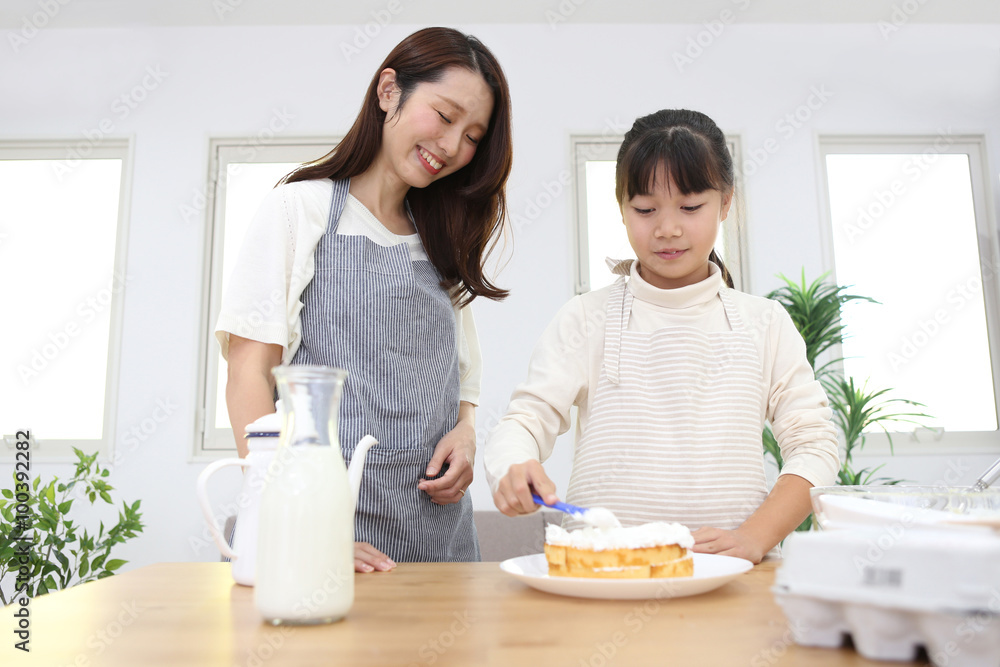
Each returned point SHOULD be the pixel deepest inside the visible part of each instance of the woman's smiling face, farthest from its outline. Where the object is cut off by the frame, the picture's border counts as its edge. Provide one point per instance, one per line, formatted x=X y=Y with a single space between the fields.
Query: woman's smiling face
x=673 y=234
x=436 y=131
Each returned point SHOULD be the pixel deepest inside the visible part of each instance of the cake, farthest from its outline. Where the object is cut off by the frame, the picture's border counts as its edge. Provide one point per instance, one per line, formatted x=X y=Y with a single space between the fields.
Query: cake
x=652 y=550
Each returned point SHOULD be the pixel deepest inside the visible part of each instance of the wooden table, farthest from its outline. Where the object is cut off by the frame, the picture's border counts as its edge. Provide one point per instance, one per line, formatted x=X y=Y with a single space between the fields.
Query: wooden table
x=192 y=614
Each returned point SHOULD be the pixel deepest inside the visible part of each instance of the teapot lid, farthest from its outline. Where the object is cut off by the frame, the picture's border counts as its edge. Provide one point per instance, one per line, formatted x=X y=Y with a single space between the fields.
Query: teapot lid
x=267 y=426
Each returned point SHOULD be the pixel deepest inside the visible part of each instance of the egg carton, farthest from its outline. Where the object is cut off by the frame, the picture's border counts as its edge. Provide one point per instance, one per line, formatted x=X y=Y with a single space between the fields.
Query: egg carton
x=893 y=590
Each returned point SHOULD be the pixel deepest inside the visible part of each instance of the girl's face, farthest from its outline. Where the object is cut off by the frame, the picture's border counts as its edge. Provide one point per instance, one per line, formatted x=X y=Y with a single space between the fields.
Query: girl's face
x=437 y=130
x=673 y=234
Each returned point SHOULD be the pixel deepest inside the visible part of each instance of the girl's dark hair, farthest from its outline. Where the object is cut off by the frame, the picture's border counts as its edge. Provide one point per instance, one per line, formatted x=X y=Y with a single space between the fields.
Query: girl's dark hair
x=688 y=146
x=459 y=217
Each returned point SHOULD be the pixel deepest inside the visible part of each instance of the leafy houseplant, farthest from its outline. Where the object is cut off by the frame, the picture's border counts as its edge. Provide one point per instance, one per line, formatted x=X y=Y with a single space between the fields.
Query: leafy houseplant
x=815 y=311
x=59 y=555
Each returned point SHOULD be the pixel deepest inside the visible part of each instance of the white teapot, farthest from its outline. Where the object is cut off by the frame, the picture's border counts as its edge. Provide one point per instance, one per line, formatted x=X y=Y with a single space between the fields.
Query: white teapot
x=262 y=442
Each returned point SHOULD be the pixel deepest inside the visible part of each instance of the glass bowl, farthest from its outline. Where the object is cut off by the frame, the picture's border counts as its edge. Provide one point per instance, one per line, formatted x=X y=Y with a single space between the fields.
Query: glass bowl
x=920 y=504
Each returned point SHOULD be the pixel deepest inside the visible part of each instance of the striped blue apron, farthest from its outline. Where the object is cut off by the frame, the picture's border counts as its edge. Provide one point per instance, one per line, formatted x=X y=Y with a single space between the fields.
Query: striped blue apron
x=387 y=321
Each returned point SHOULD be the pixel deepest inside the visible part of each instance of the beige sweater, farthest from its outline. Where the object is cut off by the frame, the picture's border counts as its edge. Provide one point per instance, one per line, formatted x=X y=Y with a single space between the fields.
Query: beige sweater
x=566 y=364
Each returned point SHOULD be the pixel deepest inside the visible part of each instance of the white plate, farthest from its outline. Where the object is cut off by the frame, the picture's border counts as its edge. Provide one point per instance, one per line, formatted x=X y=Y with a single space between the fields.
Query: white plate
x=710 y=572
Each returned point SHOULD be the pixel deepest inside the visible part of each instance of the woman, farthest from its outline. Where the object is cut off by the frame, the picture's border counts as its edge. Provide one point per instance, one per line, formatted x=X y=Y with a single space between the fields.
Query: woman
x=367 y=260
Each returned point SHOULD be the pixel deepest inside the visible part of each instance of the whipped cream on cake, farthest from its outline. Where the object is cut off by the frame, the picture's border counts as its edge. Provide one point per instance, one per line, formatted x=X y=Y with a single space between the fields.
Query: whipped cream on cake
x=629 y=537
x=632 y=552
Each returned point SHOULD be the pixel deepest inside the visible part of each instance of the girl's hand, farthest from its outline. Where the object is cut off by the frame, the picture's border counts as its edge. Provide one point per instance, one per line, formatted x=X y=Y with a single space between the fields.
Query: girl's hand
x=367 y=559
x=727 y=543
x=457 y=449
x=513 y=495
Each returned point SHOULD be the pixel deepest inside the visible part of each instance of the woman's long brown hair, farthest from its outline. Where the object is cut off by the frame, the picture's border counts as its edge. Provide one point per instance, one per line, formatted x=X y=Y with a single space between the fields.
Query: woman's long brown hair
x=459 y=217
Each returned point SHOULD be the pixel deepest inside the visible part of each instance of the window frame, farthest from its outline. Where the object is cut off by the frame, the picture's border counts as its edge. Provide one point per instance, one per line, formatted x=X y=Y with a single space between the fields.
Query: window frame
x=121 y=148
x=211 y=443
x=603 y=147
x=920 y=440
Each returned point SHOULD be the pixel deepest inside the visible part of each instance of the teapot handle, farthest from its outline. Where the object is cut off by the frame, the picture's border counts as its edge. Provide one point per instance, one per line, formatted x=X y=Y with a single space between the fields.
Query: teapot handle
x=206 y=507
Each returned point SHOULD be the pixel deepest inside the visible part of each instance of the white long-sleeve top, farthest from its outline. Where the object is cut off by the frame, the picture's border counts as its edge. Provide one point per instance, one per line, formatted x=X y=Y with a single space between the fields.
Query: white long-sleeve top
x=263 y=297
x=566 y=363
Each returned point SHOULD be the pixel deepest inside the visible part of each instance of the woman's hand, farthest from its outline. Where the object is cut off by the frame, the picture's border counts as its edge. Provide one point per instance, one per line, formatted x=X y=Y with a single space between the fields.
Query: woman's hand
x=513 y=494
x=727 y=543
x=457 y=449
x=367 y=559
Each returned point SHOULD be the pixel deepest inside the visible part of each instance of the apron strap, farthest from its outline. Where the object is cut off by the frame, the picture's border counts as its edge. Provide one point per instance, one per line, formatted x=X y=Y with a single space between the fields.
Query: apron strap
x=619 y=307
x=732 y=314
x=341 y=189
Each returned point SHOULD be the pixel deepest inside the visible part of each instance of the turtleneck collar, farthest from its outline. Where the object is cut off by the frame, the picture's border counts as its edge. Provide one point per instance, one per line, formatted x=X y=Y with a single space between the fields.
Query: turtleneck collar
x=681 y=297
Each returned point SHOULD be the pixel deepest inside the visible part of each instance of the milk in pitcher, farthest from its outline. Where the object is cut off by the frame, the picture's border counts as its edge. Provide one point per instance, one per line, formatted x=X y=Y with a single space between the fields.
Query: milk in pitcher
x=305 y=554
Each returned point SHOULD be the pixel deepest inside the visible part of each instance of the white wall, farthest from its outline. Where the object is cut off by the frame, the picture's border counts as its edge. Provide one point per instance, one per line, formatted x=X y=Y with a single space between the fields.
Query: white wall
x=576 y=79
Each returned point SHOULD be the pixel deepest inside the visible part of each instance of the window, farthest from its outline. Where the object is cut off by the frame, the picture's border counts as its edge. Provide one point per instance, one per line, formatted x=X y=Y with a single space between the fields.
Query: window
x=910 y=227
x=63 y=206
x=241 y=175
x=599 y=232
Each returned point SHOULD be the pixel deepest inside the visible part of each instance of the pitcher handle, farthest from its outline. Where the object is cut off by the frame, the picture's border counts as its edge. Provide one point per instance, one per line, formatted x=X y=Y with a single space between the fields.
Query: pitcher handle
x=206 y=508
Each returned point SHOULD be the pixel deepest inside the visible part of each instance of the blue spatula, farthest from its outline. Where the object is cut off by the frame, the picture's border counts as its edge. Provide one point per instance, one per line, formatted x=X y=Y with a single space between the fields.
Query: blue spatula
x=596 y=516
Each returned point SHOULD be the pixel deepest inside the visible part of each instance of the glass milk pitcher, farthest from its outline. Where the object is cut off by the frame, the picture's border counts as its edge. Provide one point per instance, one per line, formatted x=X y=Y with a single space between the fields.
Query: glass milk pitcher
x=305 y=548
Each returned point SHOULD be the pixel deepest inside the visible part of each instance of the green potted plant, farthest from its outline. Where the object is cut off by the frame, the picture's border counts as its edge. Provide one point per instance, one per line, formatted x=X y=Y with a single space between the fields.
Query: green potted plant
x=35 y=526
x=815 y=310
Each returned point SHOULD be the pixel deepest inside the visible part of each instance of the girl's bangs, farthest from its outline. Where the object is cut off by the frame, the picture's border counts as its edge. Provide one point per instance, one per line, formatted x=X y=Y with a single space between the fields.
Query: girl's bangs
x=676 y=154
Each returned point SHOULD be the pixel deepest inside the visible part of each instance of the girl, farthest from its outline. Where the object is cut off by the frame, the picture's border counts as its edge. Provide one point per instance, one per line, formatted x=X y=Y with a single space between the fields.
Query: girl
x=366 y=260
x=672 y=371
